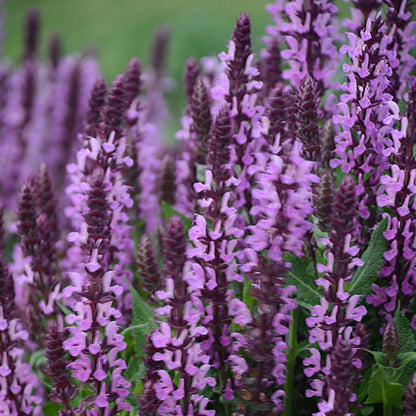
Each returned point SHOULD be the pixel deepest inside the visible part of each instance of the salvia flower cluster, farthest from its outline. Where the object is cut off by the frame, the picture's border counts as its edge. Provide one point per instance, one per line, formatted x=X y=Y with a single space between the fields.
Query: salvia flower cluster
x=263 y=264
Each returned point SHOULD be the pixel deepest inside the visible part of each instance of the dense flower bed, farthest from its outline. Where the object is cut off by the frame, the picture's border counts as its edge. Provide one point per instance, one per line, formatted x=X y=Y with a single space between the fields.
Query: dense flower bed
x=263 y=264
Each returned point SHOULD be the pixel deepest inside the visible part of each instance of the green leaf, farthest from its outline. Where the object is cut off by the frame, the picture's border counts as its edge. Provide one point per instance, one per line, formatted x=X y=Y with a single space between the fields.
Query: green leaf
x=247 y=298
x=406 y=336
x=382 y=391
x=51 y=409
x=169 y=212
x=407 y=342
x=308 y=294
x=373 y=258
x=142 y=321
x=406 y=357
x=378 y=356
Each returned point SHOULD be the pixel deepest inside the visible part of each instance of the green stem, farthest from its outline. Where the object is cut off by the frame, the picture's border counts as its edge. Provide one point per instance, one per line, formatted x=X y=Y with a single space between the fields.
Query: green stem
x=293 y=342
x=386 y=410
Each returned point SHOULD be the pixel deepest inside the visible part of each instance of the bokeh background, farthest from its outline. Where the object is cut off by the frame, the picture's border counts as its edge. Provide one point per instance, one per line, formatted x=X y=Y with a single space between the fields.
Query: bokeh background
x=118 y=30
x=121 y=29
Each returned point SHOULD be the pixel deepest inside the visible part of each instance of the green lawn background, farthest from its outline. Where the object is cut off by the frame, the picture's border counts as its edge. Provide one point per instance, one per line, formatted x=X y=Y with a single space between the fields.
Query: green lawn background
x=121 y=29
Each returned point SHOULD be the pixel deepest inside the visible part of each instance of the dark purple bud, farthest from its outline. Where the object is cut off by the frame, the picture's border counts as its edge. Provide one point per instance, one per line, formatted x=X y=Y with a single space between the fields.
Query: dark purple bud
x=409 y=399
x=200 y=111
x=391 y=342
x=324 y=198
x=159 y=50
x=96 y=103
x=97 y=216
x=345 y=209
x=148 y=267
x=236 y=67
x=31 y=34
x=27 y=215
x=132 y=81
x=219 y=142
x=280 y=111
x=56 y=368
x=327 y=141
x=167 y=180
x=115 y=106
x=55 y=50
x=308 y=116
x=47 y=221
x=174 y=248
x=242 y=39
x=190 y=76
x=271 y=66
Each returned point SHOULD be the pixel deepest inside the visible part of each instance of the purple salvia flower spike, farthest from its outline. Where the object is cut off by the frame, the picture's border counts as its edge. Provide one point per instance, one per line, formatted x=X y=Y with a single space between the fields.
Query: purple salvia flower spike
x=364 y=147
x=20 y=390
x=94 y=340
x=331 y=321
x=397 y=192
x=308 y=29
x=399 y=19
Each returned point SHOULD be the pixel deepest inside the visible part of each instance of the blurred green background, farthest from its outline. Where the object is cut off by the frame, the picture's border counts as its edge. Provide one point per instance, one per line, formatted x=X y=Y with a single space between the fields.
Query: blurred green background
x=121 y=29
